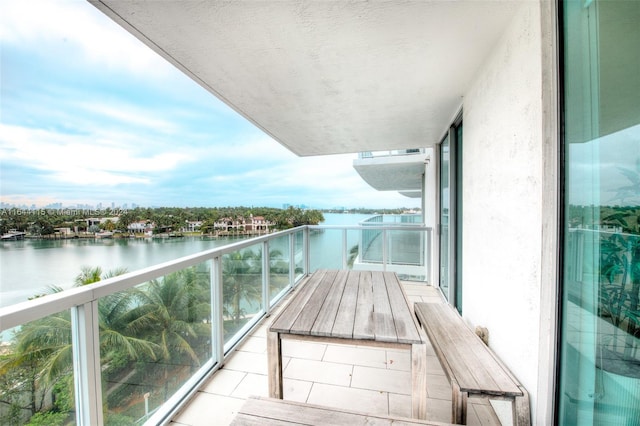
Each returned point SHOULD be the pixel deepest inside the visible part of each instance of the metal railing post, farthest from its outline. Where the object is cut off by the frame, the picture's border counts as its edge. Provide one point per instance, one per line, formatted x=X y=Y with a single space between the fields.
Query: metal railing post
x=292 y=260
x=344 y=249
x=305 y=244
x=384 y=249
x=265 y=276
x=217 y=310
x=87 y=378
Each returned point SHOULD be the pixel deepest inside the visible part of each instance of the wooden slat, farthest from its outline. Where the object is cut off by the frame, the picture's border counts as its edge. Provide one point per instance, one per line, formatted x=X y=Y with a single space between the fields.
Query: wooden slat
x=285 y=319
x=363 y=327
x=405 y=323
x=343 y=326
x=307 y=317
x=327 y=315
x=242 y=419
x=267 y=411
x=307 y=414
x=383 y=325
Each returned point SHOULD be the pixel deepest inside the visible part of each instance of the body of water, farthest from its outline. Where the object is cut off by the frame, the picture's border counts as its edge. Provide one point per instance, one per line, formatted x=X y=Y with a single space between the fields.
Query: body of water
x=28 y=267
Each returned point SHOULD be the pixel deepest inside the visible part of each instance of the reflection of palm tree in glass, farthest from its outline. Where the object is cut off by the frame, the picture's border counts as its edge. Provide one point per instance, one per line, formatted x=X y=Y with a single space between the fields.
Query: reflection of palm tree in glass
x=625 y=258
x=278 y=272
x=353 y=255
x=633 y=189
x=241 y=282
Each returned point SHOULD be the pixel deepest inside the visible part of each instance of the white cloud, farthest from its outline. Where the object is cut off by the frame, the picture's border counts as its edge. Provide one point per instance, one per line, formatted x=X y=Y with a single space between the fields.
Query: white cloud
x=82 y=159
x=78 y=23
x=127 y=114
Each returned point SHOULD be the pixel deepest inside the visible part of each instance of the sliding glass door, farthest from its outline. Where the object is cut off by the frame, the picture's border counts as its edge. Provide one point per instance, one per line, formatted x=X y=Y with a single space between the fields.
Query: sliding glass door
x=599 y=371
x=445 y=220
x=451 y=215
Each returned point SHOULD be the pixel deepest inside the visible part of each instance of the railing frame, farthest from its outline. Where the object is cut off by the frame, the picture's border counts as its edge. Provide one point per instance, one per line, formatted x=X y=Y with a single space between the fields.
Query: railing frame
x=82 y=302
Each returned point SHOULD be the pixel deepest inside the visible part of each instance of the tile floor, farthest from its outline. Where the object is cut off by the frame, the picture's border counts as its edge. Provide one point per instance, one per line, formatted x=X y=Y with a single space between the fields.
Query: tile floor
x=366 y=379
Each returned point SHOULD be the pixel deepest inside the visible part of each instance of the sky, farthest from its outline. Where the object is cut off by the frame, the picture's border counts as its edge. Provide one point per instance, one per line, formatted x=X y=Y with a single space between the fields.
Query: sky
x=89 y=115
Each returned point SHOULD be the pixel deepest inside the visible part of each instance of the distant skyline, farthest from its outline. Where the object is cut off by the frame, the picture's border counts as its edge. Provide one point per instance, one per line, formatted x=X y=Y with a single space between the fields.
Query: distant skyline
x=90 y=115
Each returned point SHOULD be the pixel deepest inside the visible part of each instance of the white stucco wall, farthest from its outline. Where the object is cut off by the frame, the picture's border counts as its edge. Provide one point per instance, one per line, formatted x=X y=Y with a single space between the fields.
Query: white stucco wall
x=502 y=200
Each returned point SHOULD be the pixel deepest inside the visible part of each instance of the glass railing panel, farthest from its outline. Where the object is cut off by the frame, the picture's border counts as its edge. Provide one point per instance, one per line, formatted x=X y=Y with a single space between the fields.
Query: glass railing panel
x=153 y=338
x=371 y=245
x=36 y=373
x=325 y=247
x=405 y=247
x=406 y=253
x=279 y=266
x=353 y=248
x=241 y=289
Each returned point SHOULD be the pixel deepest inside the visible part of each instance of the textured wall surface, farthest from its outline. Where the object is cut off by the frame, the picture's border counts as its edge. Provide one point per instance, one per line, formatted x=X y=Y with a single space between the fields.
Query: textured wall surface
x=502 y=168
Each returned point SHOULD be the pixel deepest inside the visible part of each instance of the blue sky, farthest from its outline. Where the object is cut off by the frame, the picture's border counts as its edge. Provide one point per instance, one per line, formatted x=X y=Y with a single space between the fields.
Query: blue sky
x=90 y=115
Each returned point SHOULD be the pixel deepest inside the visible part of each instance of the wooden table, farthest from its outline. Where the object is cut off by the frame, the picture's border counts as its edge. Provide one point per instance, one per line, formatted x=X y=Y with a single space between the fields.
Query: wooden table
x=351 y=307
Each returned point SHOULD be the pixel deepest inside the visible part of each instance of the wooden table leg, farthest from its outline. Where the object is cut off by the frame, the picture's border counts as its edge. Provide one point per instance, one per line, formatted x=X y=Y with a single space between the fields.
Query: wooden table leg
x=419 y=381
x=458 y=404
x=274 y=359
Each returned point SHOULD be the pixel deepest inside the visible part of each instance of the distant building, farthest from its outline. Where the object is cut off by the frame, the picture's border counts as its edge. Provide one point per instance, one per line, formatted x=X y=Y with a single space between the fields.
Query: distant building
x=252 y=225
x=192 y=226
x=140 y=227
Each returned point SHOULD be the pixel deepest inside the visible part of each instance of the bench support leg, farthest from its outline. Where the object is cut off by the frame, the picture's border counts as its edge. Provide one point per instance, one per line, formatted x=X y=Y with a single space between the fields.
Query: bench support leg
x=521 y=409
x=458 y=405
x=274 y=359
x=419 y=381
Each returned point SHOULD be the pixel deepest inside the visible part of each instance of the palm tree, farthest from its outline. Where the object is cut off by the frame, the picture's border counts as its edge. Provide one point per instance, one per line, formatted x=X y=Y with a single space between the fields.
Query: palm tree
x=241 y=271
x=174 y=314
x=88 y=275
x=43 y=348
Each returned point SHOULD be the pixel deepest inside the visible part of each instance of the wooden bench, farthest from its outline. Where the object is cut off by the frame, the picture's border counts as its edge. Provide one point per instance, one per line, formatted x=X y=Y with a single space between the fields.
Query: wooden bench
x=471 y=367
x=259 y=411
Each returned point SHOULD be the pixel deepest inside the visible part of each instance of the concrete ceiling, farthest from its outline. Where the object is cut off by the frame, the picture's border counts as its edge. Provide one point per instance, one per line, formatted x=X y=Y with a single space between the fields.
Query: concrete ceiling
x=327 y=77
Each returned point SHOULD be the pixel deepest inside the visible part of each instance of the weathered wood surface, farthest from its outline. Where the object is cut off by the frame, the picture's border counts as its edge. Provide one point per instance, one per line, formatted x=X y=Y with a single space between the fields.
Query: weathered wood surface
x=471 y=367
x=350 y=305
x=267 y=411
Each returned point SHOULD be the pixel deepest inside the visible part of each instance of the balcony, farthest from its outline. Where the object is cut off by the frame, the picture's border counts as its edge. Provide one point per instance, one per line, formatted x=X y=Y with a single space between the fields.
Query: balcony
x=141 y=347
x=399 y=170
x=364 y=379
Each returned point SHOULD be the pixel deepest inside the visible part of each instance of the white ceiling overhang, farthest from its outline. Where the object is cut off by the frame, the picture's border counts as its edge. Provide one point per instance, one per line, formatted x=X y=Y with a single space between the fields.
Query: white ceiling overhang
x=327 y=77
x=393 y=173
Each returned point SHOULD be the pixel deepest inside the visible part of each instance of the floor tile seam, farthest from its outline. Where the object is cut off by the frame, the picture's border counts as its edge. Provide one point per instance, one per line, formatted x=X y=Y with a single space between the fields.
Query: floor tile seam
x=252 y=352
x=244 y=375
x=351 y=376
x=310 y=392
x=390 y=370
x=199 y=393
x=383 y=367
x=326 y=362
x=383 y=391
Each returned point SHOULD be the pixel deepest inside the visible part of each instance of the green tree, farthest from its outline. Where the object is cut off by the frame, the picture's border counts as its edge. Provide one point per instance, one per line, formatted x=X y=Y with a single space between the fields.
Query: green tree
x=41 y=352
x=174 y=313
x=241 y=282
x=294 y=217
